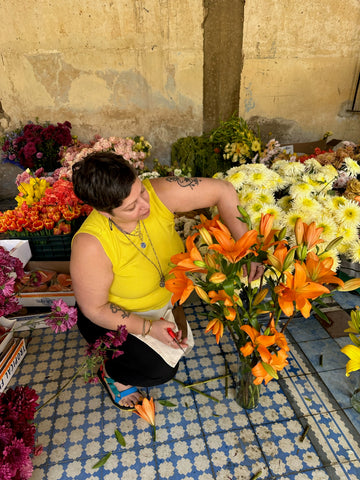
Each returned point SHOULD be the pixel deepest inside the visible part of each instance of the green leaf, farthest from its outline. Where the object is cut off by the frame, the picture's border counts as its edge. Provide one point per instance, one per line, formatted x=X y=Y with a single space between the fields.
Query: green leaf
x=103 y=460
x=229 y=286
x=269 y=369
x=120 y=438
x=166 y=403
x=321 y=314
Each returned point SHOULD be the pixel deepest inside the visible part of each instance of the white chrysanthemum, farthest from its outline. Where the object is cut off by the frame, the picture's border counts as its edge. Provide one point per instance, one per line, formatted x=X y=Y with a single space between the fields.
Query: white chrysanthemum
x=265 y=197
x=309 y=205
x=255 y=208
x=285 y=203
x=348 y=214
x=350 y=235
x=301 y=189
x=329 y=226
x=312 y=165
x=352 y=168
x=144 y=175
x=277 y=213
x=219 y=175
x=354 y=252
x=335 y=202
x=290 y=220
x=289 y=169
x=247 y=195
x=237 y=179
x=233 y=170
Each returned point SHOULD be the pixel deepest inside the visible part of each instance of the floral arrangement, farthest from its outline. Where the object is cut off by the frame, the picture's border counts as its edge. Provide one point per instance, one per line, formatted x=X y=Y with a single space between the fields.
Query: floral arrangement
x=36 y=145
x=11 y=271
x=45 y=206
x=291 y=189
x=236 y=141
x=294 y=276
x=17 y=438
x=135 y=150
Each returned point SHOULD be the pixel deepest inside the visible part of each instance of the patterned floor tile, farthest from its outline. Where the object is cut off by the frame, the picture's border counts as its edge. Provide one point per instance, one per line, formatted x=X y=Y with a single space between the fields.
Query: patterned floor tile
x=236 y=455
x=324 y=354
x=303 y=329
x=347 y=300
x=284 y=451
x=318 y=474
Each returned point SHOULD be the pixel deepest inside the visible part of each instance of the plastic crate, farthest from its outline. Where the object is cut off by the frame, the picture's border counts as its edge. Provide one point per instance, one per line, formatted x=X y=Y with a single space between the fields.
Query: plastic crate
x=50 y=247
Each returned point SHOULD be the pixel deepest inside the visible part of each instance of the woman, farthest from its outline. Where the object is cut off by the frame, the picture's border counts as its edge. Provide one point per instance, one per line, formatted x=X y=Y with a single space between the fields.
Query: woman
x=120 y=259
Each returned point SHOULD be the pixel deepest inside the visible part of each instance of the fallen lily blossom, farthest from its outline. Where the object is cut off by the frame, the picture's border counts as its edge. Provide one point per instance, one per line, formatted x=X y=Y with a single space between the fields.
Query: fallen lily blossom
x=147 y=412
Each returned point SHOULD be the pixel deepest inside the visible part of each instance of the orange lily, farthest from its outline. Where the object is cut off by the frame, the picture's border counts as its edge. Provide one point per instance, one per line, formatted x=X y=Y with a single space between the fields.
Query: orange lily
x=308 y=234
x=320 y=270
x=277 y=259
x=258 y=342
x=266 y=232
x=206 y=223
x=180 y=285
x=350 y=285
x=147 y=412
x=221 y=296
x=217 y=328
x=298 y=289
x=280 y=339
x=277 y=361
x=186 y=261
x=233 y=251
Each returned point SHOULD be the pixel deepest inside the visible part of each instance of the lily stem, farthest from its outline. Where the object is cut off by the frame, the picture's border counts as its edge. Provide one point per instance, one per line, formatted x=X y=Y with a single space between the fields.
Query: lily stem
x=196 y=390
x=205 y=381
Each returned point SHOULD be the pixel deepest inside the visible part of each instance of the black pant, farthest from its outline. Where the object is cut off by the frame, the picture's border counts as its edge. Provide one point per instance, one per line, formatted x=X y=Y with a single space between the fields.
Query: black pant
x=139 y=365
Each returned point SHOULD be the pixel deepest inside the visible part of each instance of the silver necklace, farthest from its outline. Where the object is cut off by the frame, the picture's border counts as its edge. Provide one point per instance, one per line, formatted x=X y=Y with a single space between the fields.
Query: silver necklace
x=143 y=245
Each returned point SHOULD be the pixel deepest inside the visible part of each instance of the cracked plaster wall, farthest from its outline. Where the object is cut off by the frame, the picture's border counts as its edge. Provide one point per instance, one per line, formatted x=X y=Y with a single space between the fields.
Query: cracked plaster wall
x=126 y=67
x=109 y=67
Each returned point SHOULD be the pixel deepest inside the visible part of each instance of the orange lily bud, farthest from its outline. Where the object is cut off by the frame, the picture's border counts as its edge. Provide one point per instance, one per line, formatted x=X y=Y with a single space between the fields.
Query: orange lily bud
x=334 y=243
x=260 y=296
x=350 y=285
x=275 y=262
x=281 y=235
x=299 y=231
x=301 y=252
x=202 y=294
x=217 y=277
x=289 y=259
x=200 y=264
x=209 y=260
x=205 y=235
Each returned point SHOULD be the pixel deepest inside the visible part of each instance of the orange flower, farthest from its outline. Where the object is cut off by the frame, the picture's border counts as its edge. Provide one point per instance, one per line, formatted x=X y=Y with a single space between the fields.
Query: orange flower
x=186 y=261
x=320 y=270
x=307 y=234
x=221 y=296
x=280 y=339
x=281 y=257
x=298 y=289
x=258 y=342
x=277 y=362
x=266 y=232
x=233 y=251
x=206 y=223
x=147 y=412
x=350 y=285
x=217 y=277
x=180 y=285
x=217 y=328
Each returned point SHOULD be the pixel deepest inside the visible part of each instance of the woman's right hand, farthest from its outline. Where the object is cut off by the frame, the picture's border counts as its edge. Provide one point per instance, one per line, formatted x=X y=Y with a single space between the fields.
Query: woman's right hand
x=159 y=331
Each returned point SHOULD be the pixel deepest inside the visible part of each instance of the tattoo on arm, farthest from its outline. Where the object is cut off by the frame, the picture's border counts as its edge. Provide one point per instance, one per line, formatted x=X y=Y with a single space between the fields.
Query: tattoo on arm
x=184 y=181
x=115 y=309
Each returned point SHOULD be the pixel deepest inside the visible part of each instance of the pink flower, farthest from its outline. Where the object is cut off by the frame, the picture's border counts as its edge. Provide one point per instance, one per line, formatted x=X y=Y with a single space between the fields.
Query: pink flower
x=62 y=317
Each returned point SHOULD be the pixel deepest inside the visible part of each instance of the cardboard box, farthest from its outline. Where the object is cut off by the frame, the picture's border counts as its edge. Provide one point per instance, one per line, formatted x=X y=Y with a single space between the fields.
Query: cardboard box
x=308 y=148
x=8 y=324
x=37 y=299
x=18 y=248
x=11 y=362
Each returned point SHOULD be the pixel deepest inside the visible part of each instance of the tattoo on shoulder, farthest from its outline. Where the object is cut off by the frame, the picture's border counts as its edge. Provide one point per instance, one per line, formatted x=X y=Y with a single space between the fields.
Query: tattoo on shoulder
x=185 y=181
x=115 y=309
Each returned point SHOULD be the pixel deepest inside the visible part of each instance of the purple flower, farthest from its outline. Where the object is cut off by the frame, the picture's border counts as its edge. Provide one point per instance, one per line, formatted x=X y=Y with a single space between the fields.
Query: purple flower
x=17 y=455
x=62 y=317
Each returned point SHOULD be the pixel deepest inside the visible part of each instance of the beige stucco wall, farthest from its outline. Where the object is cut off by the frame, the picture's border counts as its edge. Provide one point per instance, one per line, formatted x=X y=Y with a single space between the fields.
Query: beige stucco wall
x=301 y=61
x=126 y=67
x=109 y=67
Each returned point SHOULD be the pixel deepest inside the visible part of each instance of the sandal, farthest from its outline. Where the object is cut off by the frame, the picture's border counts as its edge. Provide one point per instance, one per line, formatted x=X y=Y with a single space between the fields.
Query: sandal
x=109 y=386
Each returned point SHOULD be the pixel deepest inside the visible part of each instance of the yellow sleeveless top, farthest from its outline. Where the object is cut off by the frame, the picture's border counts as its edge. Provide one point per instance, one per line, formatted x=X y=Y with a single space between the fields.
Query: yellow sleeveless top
x=135 y=286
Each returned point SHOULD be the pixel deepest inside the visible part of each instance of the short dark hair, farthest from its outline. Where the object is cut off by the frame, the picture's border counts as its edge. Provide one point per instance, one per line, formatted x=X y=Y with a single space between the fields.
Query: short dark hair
x=103 y=180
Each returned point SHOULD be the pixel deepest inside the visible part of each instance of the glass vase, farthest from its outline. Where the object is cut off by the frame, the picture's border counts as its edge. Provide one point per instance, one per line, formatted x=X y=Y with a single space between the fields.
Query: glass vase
x=355 y=397
x=247 y=394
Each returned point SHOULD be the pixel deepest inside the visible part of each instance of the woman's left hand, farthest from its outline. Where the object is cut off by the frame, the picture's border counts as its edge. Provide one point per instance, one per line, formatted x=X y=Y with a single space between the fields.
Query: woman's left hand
x=256 y=271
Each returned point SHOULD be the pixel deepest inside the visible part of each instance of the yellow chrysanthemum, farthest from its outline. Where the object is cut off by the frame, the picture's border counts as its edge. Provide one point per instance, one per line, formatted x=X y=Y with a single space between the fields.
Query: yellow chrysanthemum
x=351 y=167
x=236 y=179
x=312 y=165
x=301 y=189
x=277 y=213
x=310 y=204
x=354 y=251
x=329 y=226
x=285 y=203
x=266 y=198
x=348 y=214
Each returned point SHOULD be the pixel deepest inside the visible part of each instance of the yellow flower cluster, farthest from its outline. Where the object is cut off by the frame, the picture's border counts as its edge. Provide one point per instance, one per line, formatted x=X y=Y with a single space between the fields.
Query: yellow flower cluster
x=31 y=192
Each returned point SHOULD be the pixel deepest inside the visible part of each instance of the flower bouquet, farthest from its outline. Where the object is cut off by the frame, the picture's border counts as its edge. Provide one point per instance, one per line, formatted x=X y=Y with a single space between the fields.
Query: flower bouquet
x=36 y=145
x=253 y=312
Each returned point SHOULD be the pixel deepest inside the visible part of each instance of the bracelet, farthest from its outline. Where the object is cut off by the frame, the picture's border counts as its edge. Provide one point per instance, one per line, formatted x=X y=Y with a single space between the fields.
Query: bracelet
x=143 y=329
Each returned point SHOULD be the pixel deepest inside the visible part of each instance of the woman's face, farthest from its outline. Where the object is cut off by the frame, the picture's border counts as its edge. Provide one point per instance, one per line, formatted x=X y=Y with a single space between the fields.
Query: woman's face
x=135 y=207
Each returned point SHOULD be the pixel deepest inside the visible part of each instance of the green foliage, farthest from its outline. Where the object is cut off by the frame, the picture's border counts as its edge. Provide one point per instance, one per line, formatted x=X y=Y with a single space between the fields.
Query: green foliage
x=231 y=144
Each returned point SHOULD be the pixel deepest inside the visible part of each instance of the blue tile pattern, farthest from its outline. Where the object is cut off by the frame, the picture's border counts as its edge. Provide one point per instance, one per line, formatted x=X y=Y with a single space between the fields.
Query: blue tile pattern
x=202 y=437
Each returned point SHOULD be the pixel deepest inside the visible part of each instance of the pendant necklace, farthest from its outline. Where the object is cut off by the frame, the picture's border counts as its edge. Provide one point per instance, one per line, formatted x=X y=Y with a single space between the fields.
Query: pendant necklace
x=143 y=245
